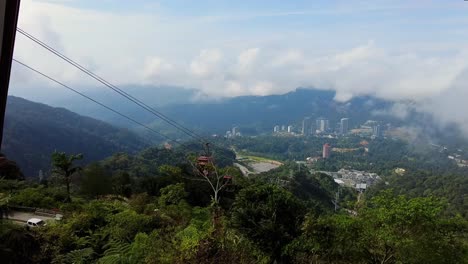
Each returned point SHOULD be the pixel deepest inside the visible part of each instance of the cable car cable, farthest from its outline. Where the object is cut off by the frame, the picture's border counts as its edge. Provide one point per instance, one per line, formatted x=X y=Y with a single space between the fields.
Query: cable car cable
x=113 y=87
x=121 y=92
x=95 y=101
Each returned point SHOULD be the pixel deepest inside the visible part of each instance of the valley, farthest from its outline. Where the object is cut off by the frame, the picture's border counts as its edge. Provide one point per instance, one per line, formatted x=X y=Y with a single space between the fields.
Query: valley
x=171 y=193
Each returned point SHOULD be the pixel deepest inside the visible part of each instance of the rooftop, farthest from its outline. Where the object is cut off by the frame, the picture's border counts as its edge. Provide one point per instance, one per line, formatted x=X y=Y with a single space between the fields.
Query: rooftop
x=35 y=220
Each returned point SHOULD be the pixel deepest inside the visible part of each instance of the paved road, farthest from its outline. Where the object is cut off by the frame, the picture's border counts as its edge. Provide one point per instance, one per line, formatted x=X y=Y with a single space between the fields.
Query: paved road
x=25 y=216
x=257 y=166
x=243 y=169
x=260 y=167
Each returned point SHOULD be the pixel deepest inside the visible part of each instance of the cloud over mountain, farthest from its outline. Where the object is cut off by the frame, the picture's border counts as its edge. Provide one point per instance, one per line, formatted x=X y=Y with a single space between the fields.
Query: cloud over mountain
x=248 y=54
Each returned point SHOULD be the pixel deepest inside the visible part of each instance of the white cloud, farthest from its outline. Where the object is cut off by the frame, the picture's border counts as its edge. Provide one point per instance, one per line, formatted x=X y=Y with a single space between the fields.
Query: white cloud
x=289 y=57
x=262 y=88
x=158 y=70
x=399 y=110
x=121 y=46
x=343 y=96
x=368 y=70
x=247 y=59
x=233 y=88
x=449 y=107
x=358 y=54
x=206 y=64
x=119 y=53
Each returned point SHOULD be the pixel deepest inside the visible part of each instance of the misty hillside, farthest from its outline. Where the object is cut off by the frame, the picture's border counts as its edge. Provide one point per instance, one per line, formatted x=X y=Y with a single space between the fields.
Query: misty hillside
x=33 y=131
x=155 y=96
x=257 y=114
x=252 y=114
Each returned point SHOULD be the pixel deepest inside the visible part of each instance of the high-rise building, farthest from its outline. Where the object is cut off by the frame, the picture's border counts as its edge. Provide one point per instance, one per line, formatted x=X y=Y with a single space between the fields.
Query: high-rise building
x=322 y=124
x=290 y=129
x=235 y=130
x=344 y=126
x=326 y=151
x=377 y=131
x=276 y=129
x=306 y=126
x=283 y=128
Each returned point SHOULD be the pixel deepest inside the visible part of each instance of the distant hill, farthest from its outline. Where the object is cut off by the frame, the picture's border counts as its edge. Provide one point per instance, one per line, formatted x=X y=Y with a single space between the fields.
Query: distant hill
x=33 y=131
x=157 y=96
x=253 y=114
x=258 y=114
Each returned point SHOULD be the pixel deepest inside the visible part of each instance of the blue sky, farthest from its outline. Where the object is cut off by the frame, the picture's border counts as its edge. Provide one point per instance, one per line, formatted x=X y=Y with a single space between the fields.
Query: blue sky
x=398 y=50
x=199 y=44
x=384 y=20
x=387 y=21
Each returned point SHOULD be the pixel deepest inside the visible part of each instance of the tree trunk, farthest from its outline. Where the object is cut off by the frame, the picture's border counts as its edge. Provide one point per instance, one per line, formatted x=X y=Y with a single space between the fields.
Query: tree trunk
x=217 y=225
x=216 y=197
x=67 y=181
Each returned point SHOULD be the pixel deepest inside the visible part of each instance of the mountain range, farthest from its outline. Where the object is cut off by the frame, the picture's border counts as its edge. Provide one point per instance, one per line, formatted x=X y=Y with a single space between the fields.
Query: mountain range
x=34 y=130
x=252 y=114
x=157 y=97
x=258 y=114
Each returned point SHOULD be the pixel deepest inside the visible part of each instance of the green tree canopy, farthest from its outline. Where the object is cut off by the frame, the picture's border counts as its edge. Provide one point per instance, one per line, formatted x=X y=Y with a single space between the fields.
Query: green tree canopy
x=269 y=215
x=96 y=181
x=63 y=165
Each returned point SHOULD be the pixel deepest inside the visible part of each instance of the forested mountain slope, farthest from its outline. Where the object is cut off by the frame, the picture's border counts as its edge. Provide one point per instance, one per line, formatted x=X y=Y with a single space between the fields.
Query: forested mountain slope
x=33 y=131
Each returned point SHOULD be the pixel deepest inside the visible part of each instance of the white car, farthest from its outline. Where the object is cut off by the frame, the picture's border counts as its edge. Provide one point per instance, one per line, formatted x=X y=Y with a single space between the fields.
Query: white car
x=35 y=222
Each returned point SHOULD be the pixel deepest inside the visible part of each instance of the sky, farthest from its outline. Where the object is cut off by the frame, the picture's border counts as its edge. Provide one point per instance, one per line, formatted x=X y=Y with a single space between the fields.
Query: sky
x=397 y=50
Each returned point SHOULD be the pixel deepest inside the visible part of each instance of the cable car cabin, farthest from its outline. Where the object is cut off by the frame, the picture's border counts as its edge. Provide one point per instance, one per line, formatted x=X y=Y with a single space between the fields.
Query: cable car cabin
x=202 y=165
x=227 y=180
x=203 y=160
